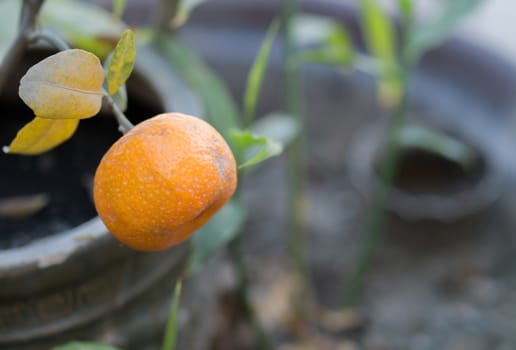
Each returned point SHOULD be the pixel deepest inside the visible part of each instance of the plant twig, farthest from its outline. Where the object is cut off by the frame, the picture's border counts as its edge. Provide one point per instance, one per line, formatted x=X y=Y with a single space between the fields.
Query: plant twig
x=124 y=125
x=29 y=13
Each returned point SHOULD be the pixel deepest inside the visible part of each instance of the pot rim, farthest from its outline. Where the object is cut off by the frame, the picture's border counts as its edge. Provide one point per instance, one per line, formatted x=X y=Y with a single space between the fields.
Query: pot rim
x=53 y=249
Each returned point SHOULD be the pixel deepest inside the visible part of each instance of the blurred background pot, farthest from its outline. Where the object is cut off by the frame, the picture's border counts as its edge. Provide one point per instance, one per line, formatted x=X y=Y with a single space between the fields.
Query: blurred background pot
x=442 y=174
x=423 y=283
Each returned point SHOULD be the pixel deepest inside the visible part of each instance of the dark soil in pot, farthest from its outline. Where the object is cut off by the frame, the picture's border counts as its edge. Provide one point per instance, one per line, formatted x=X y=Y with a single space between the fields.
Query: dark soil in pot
x=420 y=171
x=455 y=292
x=65 y=174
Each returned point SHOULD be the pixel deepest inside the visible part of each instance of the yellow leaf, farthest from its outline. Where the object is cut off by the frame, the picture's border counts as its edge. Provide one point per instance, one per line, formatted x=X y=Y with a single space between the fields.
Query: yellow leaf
x=41 y=135
x=122 y=62
x=67 y=85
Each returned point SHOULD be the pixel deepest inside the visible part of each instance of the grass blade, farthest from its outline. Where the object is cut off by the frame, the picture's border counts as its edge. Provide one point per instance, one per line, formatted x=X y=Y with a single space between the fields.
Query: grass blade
x=169 y=342
x=255 y=78
x=381 y=41
x=119 y=7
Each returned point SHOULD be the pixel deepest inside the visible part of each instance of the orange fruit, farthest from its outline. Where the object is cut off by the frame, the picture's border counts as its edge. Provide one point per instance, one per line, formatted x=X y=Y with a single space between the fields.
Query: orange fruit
x=163 y=180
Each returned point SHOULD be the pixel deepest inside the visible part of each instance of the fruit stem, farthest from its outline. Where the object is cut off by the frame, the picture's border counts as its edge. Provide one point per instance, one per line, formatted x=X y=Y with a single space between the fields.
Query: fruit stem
x=296 y=164
x=124 y=124
x=29 y=12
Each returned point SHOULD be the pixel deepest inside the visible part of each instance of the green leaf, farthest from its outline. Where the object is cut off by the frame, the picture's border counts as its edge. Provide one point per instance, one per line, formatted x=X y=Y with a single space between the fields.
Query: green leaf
x=83 y=24
x=279 y=127
x=120 y=96
x=221 y=229
x=84 y=346
x=9 y=18
x=254 y=148
x=337 y=49
x=380 y=38
x=219 y=104
x=66 y=85
x=406 y=8
x=119 y=7
x=310 y=30
x=379 y=32
x=169 y=342
x=254 y=80
x=121 y=64
x=340 y=41
x=41 y=135
x=432 y=34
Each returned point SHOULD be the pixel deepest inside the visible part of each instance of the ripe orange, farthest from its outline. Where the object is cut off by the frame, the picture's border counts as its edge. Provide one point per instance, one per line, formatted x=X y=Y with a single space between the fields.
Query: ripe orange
x=163 y=180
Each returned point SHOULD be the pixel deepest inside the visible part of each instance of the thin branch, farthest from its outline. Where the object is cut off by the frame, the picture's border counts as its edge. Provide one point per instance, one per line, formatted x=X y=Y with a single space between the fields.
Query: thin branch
x=50 y=37
x=29 y=14
x=124 y=125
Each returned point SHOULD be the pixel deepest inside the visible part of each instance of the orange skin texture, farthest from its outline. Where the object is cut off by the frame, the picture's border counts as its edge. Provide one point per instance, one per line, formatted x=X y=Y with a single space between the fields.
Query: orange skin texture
x=163 y=180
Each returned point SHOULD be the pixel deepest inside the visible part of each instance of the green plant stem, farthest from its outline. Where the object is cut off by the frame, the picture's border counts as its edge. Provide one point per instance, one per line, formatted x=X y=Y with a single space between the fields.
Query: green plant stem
x=296 y=163
x=29 y=13
x=375 y=220
x=169 y=341
x=376 y=216
x=124 y=125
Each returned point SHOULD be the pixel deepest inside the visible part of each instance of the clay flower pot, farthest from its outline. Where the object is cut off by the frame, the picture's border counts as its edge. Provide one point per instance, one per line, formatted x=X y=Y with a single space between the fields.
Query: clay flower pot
x=62 y=275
